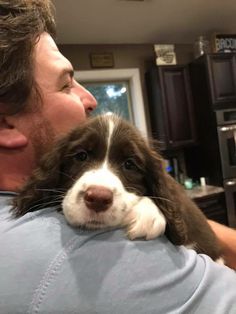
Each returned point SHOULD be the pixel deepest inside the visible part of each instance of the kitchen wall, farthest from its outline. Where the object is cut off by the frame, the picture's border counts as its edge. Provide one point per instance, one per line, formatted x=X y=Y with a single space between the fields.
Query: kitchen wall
x=125 y=56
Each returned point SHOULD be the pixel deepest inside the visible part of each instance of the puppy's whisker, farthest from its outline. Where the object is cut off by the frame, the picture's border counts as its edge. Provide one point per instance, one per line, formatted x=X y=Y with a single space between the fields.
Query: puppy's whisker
x=45 y=204
x=54 y=202
x=67 y=175
x=160 y=198
x=62 y=191
x=51 y=197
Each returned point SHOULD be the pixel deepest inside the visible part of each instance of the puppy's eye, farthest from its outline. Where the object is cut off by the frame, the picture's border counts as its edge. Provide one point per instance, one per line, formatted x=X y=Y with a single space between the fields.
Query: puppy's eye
x=129 y=164
x=81 y=155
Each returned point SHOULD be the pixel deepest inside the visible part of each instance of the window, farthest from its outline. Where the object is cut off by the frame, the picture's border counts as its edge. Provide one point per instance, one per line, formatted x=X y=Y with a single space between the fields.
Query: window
x=112 y=97
x=116 y=90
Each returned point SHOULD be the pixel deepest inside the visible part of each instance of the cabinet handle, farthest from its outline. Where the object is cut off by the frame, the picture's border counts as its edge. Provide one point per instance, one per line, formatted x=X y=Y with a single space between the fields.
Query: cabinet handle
x=228 y=128
x=231 y=182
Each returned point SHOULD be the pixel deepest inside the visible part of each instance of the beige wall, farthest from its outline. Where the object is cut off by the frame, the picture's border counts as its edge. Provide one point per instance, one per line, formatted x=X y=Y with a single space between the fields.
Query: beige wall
x=125 y=56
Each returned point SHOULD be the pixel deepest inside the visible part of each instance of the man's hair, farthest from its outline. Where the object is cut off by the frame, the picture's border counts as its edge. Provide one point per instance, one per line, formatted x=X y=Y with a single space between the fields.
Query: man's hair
x=21 y=24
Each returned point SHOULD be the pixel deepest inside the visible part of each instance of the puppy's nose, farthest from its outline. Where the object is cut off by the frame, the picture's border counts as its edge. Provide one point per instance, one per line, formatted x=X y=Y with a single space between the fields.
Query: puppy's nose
x=98 y=198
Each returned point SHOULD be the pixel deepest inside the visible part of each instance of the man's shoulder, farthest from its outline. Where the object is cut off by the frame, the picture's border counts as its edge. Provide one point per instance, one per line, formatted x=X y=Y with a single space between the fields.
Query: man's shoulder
x=34 y=249
x=46 y=266
x=45 y=229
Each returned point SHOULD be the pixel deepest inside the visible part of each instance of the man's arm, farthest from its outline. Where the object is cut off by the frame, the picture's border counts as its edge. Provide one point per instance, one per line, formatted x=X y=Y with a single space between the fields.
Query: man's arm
x=227 y=238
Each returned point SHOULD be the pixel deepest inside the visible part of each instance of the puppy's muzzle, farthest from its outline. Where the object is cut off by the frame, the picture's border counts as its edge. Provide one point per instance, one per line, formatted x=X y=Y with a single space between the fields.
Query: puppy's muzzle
x=98 y=198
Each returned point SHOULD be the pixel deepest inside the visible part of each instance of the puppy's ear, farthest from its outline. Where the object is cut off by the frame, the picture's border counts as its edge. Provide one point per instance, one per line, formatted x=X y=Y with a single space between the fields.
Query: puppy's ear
x=166 y=193
x=42 y=187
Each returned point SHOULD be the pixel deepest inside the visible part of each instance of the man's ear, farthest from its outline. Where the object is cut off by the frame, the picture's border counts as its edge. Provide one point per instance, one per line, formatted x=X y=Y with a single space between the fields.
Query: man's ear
x=10 y=136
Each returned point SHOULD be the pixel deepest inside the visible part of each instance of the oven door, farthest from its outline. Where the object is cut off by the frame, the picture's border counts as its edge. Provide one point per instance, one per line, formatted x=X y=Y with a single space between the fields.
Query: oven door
x=227 y=143
x=230 y=196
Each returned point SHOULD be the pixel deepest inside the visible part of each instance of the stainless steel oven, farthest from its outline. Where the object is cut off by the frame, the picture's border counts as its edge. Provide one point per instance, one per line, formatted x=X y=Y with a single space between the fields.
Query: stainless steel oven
x=226 y=127
x=227 y=144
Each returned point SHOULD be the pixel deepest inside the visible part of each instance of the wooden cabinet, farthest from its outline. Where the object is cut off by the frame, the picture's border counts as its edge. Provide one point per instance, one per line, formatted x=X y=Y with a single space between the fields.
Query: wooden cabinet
x=213 y=78
x=221 y=70
x=171 y=106
x=213 y=206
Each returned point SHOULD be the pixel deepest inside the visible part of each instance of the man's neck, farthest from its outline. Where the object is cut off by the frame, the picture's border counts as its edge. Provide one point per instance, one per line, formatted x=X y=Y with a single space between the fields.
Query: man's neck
x=13 y=171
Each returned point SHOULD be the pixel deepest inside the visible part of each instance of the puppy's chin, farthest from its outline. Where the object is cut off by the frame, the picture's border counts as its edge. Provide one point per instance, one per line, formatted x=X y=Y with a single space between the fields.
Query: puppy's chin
x=93 y=223
x=81 y=216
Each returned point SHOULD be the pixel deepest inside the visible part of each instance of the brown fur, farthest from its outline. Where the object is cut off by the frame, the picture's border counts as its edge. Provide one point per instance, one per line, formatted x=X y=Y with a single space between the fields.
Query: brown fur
x=186 y=224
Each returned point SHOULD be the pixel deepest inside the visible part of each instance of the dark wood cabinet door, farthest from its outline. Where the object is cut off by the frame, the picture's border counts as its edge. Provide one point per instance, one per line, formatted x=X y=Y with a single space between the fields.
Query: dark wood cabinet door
x=177 y=105
x=214 y=207
x=222 y=77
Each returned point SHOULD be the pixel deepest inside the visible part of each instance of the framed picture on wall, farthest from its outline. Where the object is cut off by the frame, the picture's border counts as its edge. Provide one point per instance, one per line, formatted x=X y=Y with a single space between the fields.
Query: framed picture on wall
x=101 y=60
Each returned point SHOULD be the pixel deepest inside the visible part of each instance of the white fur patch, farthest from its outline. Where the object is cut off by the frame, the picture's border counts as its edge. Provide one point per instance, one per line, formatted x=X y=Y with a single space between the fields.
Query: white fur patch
x=145 y=220
x=191 y=246
x=220 y=261
x=111 y=129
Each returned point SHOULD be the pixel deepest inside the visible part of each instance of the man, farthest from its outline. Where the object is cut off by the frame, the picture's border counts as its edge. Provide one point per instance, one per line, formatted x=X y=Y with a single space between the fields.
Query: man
x=47 y=266
x=37 y=121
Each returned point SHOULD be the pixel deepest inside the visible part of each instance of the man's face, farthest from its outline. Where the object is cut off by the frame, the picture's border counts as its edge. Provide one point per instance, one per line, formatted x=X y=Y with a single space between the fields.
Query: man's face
x=65 y=103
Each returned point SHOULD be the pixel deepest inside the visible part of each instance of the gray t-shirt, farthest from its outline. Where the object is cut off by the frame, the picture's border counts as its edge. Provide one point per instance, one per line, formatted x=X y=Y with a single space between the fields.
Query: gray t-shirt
x=47 y=266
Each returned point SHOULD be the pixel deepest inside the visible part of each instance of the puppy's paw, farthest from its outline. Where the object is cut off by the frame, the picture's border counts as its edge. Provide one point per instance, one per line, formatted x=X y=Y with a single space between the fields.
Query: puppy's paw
x=145 y=220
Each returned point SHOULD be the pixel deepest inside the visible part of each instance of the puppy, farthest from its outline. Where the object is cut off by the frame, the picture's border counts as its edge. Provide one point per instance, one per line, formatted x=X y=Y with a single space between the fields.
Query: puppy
x=104 y=174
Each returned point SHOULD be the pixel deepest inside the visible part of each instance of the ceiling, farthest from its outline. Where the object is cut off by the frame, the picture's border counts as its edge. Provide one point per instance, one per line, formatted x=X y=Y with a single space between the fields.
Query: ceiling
x=142 y=21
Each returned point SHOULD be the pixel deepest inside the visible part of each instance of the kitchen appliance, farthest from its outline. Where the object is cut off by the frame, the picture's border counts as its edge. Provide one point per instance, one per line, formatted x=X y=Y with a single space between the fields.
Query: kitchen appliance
x=227 y=143
x=230 y=195
x=226 y=128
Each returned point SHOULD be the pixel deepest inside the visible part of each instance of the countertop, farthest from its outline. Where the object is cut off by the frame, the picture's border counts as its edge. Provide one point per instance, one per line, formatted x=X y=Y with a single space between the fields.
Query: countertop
x=203 y=191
